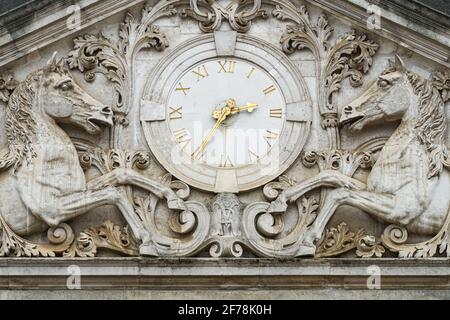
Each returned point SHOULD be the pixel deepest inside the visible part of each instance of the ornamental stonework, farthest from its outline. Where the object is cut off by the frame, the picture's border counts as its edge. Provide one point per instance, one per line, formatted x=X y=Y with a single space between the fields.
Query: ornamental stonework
x=225 y=129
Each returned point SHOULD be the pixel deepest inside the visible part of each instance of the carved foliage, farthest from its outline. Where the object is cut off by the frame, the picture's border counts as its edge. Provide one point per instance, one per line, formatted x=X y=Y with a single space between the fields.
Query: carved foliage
x=98 y=54
x=395 y=237
x=340 y=239
x=341 y=160
x=107 y=236
x=350 y=57
x=60 y=238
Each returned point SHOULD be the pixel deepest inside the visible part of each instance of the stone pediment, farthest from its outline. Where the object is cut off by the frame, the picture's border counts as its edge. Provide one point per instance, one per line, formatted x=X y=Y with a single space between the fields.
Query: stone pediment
x=419 y=27
x=102 y=154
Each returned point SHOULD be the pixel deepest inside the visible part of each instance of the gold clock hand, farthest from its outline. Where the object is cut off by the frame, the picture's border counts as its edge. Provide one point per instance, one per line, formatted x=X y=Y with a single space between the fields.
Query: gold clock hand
x=225 y=112
x=250 y=107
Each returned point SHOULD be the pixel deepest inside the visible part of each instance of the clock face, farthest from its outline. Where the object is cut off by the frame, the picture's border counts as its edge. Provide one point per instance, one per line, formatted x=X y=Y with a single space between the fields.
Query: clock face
x=226 y=121
x=225 y=113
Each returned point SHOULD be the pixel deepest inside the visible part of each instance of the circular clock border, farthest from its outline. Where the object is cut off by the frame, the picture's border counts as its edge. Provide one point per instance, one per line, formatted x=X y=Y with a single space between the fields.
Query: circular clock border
x=202 y=48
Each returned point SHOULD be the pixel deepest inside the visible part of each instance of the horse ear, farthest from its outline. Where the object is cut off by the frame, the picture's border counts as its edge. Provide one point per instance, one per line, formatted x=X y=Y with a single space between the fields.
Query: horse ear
x=399 y=64
x=60 y=63
x=52 y=61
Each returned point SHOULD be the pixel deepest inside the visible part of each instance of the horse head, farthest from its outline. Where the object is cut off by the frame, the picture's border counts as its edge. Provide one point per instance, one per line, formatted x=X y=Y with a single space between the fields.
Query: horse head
x=66 y=102
x=387 y=99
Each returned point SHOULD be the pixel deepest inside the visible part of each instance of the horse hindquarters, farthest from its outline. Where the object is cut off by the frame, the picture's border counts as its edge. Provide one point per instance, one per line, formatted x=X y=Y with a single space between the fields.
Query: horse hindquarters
x=18 y=217
x=433 y=218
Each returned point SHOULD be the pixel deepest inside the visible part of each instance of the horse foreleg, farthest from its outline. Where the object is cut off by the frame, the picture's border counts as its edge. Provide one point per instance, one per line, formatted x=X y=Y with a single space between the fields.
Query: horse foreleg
x=382 y=206
x=327 y=178
x=76 y=204
x=130 y=177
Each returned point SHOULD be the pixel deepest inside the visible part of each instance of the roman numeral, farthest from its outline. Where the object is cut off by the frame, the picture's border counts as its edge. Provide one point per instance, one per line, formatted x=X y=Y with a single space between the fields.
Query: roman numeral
x=269 y=90
x=270 y=137
x=181 y=135
x=176 y=113
x=201 y=73
x=183 y=89
x=249 y=75
x=276 y=113
x=226 y=162
x=227 y=66
x=253 y=155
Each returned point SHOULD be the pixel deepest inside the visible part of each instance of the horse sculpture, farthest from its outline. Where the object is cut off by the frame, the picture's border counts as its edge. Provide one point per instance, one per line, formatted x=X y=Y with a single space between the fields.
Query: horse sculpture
x=408 y=185
x=42 y=183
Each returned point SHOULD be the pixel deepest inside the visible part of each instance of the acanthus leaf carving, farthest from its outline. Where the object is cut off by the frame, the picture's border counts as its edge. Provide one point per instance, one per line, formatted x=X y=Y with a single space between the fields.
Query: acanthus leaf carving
x=395 y=239
x=192 y=226
x=350 y=57
x=107 y=236
x=338 y=240
x=98 y=54
x=60 y=238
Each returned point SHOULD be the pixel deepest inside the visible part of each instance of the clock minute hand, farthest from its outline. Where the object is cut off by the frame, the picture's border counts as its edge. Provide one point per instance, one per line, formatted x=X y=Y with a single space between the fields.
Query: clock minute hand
x=220 y=120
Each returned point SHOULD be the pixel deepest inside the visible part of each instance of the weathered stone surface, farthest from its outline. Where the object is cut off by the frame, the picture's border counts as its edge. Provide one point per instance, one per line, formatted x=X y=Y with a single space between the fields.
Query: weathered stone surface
x=259 y=129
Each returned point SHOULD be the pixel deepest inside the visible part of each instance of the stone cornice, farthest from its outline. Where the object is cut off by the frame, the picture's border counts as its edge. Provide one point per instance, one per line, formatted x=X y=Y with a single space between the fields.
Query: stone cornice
x=25 y=36
x=147 y=273
x=430 y=44
x=29 y=36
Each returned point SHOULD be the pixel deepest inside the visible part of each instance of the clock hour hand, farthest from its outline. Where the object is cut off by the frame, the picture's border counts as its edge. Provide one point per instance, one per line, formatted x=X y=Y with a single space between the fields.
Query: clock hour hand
x=250 y=107
x=231 y=106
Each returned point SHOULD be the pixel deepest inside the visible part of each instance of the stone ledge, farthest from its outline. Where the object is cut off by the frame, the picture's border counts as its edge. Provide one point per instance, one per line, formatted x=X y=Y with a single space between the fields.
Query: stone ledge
x=198 y=273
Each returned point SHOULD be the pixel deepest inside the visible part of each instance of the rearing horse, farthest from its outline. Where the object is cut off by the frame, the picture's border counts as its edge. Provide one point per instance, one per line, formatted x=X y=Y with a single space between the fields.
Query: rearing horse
x=42 y=183
x=408 y=185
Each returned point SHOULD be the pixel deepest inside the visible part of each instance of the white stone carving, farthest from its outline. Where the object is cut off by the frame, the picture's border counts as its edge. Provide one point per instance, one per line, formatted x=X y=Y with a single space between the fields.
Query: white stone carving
x=408 y=183
x=47 y=176
x=210 y=13
x=43 y=175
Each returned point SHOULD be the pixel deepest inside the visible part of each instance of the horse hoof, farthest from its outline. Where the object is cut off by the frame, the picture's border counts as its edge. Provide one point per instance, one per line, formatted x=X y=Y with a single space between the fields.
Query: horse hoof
x=148 y=250
x=305 y=250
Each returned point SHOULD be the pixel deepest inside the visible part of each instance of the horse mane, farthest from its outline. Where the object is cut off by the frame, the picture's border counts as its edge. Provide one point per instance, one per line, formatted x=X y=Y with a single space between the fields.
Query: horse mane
x=431 y=125
x=20 y=125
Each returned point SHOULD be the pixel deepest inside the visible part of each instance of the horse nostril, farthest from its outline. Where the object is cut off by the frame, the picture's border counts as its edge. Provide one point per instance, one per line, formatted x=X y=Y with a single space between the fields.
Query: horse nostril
x=107 y=110
x=348 y=109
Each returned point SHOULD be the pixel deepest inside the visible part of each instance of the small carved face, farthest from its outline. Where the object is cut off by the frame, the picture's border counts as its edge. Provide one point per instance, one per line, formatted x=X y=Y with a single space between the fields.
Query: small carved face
x=387 y=99
x=66 y=102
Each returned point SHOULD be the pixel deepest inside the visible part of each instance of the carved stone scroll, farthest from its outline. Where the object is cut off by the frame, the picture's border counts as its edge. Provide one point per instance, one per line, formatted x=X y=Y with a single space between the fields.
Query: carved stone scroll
x=60 y=238
x=209 y=14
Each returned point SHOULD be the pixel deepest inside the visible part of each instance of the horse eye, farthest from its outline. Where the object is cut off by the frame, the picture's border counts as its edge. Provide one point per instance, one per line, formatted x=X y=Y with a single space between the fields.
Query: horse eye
x=383 y=83
x=66 y=86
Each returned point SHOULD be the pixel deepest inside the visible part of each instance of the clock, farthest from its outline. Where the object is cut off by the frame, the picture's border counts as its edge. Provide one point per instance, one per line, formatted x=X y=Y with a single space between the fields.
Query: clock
x=226 y=112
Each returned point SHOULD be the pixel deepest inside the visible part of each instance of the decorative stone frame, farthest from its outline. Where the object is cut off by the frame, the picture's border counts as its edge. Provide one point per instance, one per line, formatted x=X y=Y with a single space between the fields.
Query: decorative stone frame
x=298 y=103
